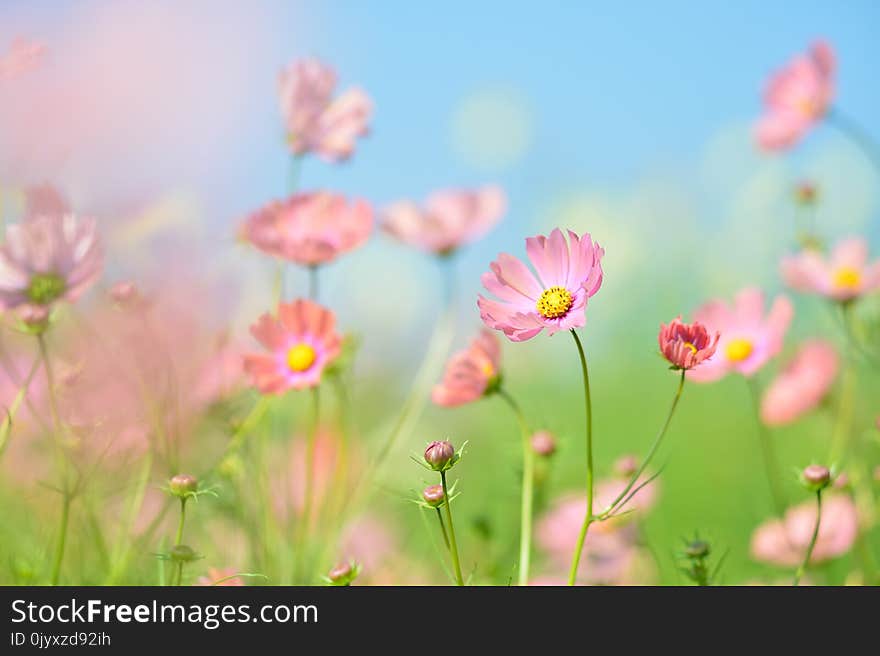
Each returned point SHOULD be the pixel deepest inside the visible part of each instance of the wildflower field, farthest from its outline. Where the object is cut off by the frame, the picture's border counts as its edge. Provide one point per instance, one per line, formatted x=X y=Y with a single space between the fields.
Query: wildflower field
x=288 y=298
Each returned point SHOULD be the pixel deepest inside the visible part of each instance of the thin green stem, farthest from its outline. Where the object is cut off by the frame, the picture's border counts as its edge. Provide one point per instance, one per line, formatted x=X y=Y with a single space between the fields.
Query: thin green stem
x=179 y=537
x=800 y=570
x=653 y=450
x=62 y=539
x=308 y=501
x=857 y=134
x=66 y=495
x=768 y=453
x=588 y=517
x=528 y=495
x=442 y=527
x=453 y=546
x=313 y=283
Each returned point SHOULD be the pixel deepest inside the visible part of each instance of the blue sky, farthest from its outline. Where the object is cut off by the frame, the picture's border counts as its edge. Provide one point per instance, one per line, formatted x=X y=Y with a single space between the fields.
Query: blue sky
x=636 y=113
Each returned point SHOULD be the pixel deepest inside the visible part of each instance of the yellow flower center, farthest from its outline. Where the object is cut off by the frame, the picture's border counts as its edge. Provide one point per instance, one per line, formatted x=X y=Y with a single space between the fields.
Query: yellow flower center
x=554 y=302
x=691 y=347
x=738 y=349
x=847 y=277
x=488 y=369
x=301 y=357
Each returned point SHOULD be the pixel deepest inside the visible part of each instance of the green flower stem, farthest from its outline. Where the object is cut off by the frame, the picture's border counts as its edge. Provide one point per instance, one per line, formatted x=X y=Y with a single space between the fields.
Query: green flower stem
x=452 y=544
x=62 y=538
x=66 y=495
x=313 y=283
x=528 y=495
x=308 y=502
x=771 y=462
x=800 y=570
x=653 y=450
x=588 y=517
x=179 y=538
x=442 y=527
x=857 y=134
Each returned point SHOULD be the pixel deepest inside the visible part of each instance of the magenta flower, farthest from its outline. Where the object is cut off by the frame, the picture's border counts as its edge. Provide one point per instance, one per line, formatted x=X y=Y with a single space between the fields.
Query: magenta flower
x=568 y=273
x=310 y=228
x=302 y=341
x=447 y=220
x=748 y=337
x=315 y=121
x=784 y=542
x=843 y=276
x=471 y=373
x=47 y=259
x=796 y=98
x=685 y=345
x=801 y=385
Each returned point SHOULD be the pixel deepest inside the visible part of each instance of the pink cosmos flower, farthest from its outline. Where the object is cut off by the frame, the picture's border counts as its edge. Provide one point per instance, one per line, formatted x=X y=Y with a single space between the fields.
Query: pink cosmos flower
x=315 y=121
x=686 y=345
x=45 y=200
x=302 y=340
x=802 y=385
x=843 y=276
x=46 y=259
x=226 y=577
x=611 y=551
x=470 y=373
x=23 y=56
x=310 y=228
x=748 y=337
x=784 y=542
x=796 y=98
x=568 y=273
x=448 y=219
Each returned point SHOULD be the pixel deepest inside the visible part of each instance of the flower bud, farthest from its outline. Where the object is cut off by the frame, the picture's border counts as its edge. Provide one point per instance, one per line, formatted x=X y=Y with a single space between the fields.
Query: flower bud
x=180 y=553
x=806 y=193
x=122 y=292
x=697 y=549
x=440 y=455
x=543 y=443
x=433 y=495
x=343 y=574
x=816 y=477
x=183 y=485
x=626 y=466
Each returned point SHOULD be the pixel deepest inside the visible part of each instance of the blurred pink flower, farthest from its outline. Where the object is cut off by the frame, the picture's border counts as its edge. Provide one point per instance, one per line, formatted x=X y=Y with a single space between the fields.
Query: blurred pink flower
x=302 y=340
x=845 y=275
x=46 y=259
x=45 y=200
x=748 y=338
x=220 y=374
x=568 y=274
x=310 y=228
x=471 y=372
x=796 y=98
x=226 y=577
x=611 y=550
x=140 y=374
x=23 y=55
x=784 y=542
x=448 y=219
x=314 y=120
x=801 y=385
x=686 y=345
x=324 y=462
